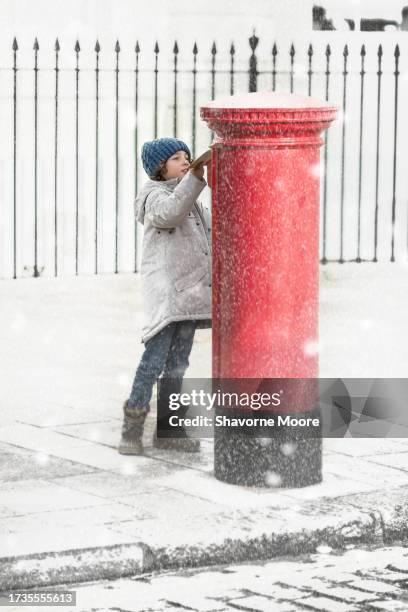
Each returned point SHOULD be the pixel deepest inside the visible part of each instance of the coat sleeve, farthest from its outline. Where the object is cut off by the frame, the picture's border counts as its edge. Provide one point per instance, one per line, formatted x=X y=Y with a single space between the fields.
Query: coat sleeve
x=166 y=210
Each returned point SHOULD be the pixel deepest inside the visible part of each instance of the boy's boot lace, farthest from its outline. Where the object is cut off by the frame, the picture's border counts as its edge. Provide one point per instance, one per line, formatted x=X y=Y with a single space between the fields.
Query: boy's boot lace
x=132 y=429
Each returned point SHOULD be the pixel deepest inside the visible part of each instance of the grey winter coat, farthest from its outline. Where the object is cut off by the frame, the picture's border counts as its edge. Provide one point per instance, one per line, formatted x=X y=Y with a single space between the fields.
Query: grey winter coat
x=176 y=253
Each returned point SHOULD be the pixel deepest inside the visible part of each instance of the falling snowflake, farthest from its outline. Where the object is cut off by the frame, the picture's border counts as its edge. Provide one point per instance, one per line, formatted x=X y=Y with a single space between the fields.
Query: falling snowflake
x=272 y=479
x=288 y=448
x=311 y=348
x=127 y=468
x=123 y=380
x=324 y=549
x=42 y=458
x=316 y=171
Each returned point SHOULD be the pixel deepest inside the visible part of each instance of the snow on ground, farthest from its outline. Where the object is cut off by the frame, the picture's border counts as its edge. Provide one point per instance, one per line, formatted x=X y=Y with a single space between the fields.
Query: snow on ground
x=76 y=341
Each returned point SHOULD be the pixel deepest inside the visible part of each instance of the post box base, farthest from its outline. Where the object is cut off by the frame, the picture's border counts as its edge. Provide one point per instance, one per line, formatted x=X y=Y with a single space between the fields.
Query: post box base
x=286 y=460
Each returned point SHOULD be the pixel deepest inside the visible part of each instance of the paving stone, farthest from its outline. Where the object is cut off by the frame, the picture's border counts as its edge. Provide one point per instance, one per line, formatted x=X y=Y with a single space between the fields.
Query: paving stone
x=37 y=438
x=206 y=486
x=387 y=575
x=105 y=432
x=154 y=503
x=108 y=514
x=400 y=565
x=389 y=604
x=394 y=460
x=274 y=590
x=194 y=601
x=375 y=586
x=31 y=496
x=20 y=464
x=97 y=456
x=261 y=604
x=344 y=592
x=327 y=605
x=360 y=447
x=109 y=484
x=124 y=594
x=330 y=486
x=365 y=471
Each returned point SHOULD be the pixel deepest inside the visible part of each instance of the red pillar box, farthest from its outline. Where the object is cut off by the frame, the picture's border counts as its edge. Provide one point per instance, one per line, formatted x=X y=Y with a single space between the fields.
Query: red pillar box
x=265 y=195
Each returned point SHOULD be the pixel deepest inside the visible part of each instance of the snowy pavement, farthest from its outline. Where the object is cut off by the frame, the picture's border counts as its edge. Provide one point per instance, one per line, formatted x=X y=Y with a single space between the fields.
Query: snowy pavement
x=351 y=581
x=73 y=509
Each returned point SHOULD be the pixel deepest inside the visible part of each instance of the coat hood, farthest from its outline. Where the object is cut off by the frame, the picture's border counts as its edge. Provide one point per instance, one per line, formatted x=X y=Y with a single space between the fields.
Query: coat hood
x=147 y=188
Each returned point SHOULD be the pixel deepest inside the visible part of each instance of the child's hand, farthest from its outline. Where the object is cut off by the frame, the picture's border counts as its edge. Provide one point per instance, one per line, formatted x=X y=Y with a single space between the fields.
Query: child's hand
x=198 y=171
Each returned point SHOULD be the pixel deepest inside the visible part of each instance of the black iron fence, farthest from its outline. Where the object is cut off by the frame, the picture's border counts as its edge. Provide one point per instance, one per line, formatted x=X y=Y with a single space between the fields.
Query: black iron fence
x=83 y=157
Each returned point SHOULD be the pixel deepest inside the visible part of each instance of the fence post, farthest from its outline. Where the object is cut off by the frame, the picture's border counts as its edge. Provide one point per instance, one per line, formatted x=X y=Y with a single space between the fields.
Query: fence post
x=394 y=174
x=156 y=72
x=77 y=50
x=343 y=136
x=213 y=56
x=175 y=71
x=360 y=162
x=195 y=51
x=97 y=51
x=274 y=54
x=36 y=48
x=56 y=48
x=117 y=51
x=292 y=60
x=15 y=49
x=137 y=51
x=253 y=72
x=310 y=71
x=232 y=53
x=326 y=136
x=377 y=158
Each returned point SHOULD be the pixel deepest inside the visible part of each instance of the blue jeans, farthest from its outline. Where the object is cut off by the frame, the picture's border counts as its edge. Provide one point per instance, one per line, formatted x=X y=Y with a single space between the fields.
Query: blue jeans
x=166 y=353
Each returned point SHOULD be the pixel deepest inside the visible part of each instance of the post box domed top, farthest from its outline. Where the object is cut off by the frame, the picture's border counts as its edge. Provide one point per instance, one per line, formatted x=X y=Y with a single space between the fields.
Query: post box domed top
x=266 y=100
x=266 y=113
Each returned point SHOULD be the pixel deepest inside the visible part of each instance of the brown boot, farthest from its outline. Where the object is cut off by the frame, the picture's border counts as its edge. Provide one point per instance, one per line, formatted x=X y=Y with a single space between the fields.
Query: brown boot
x=132 y=429
x=185 y=444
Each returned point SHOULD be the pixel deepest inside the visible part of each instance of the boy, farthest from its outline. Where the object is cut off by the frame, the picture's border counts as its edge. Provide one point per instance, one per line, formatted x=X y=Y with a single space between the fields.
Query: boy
x=176 y=281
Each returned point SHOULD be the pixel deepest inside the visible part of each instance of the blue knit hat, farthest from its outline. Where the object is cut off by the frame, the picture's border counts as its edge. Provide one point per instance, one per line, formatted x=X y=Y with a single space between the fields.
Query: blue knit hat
x=159 y=150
